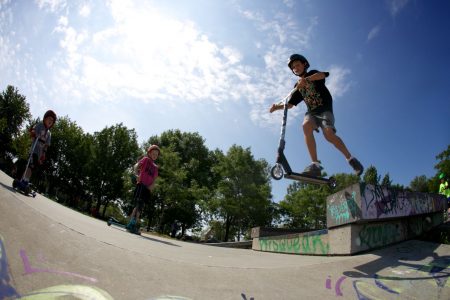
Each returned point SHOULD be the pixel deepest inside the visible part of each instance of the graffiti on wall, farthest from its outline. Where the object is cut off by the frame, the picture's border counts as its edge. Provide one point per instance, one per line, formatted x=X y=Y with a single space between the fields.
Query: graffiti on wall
x=342 y=208
x=378 y=235
x=379 y=202
x=315 y=243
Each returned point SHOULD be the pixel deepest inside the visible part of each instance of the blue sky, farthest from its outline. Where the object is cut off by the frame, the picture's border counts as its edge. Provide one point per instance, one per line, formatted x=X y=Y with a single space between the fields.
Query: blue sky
x=215 y=67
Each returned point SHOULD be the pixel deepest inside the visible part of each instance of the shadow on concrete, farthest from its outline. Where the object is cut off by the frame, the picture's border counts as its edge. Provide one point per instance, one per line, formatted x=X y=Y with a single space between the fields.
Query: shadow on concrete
x=159 y=241
x=8 y=187
x=395 y=257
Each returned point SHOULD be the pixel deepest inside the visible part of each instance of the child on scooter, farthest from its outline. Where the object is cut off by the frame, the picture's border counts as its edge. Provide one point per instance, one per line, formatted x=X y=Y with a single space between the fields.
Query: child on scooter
x=311 y=89
x=146 y=171
x=41 y=139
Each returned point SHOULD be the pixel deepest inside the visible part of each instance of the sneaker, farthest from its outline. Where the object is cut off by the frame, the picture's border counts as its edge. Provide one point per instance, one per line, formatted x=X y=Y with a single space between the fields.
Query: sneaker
x=130 y=226
x=313 y=170
x=356 y=165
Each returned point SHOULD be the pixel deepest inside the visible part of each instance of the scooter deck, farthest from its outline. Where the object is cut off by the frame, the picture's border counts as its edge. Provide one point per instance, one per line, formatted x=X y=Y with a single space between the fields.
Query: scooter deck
x=28 y=191
x=116 y=224
x=307 y=178
x=109 y=222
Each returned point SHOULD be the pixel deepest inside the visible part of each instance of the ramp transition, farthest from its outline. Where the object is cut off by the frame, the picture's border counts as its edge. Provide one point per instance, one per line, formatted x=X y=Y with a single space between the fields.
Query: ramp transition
x=359 y=218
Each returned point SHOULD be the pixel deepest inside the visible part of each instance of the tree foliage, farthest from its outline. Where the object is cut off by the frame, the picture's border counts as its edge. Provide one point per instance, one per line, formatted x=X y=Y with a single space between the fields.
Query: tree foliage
x=114 y=150
x=242 y=198
x=419 y=184
x=14 y=112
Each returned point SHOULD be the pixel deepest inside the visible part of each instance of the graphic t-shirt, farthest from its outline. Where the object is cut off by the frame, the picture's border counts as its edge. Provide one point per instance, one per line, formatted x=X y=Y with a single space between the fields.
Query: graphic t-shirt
x=148 y=171
x=316 y=95
x=43 y=136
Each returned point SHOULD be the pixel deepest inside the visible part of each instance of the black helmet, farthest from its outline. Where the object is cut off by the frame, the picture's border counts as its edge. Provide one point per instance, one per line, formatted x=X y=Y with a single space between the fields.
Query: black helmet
x=299 y=57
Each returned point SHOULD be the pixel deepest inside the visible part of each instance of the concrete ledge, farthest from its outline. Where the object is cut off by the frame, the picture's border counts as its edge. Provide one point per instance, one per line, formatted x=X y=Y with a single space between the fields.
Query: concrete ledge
x=359 y=218
x=354 y=238
x=361 y=203
x=311 y=243
x=241 y=245
x=267 y=231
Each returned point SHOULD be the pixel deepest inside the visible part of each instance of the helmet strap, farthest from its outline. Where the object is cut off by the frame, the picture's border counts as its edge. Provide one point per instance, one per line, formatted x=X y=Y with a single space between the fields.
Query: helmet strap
x=304 y=72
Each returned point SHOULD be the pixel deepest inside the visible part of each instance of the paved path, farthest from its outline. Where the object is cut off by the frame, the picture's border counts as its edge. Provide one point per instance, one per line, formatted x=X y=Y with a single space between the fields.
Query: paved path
x=48 y=250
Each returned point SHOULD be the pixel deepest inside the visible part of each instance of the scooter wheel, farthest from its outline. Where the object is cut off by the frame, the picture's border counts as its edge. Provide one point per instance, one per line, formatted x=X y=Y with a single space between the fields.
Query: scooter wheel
x=332 y=182
x=277 y=172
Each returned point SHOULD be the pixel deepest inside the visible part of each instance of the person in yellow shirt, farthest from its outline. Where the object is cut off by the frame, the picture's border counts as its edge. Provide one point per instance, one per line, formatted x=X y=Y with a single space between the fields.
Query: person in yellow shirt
x=445 y=190
x=443 y=187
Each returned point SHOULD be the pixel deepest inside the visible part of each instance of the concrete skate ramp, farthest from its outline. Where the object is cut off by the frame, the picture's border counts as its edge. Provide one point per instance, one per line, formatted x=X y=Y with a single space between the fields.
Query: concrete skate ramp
x=360 y=218
x=48 y=250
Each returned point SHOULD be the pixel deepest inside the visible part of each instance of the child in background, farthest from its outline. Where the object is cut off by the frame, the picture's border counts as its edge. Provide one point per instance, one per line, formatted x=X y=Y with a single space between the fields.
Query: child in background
x=146 y=171
x=40 y=135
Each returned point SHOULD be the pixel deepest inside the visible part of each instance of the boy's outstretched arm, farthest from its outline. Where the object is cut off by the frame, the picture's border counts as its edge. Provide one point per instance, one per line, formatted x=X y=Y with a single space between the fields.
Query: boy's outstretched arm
x=278 y=106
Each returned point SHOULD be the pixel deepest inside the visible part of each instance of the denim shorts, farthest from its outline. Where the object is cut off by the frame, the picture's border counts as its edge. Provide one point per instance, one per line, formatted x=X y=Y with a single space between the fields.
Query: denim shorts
x=322 y=120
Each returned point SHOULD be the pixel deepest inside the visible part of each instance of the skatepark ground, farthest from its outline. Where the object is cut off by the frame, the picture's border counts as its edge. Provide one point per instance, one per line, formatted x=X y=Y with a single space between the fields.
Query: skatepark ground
x=49 y=251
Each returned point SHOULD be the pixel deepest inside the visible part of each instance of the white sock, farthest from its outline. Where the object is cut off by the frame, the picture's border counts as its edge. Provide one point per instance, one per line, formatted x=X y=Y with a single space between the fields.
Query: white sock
x=351 y=157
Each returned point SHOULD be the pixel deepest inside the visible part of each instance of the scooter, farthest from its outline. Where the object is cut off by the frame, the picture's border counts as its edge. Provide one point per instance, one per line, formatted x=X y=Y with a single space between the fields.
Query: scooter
x=136 y=229
x=282 y=169
x=22 y=185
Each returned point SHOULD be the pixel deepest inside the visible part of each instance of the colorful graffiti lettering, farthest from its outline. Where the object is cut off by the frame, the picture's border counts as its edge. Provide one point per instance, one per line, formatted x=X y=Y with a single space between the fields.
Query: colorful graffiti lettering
x=344 y=209
x=29 y=269
x=6 y=288
x=306 y=244
x=244 y=297
x=337 y=287
x=400 y=282
x=378 y=235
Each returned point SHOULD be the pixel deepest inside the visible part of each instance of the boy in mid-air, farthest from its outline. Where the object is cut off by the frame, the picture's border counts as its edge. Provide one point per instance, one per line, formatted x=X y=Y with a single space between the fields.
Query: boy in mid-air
x=311 y=89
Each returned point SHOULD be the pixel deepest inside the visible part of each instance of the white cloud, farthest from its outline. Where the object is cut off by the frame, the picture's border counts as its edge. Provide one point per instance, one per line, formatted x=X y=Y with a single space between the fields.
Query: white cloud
x=140 y=54
x=338 y=82
x=373 y=32
x=147 y=55
x=232 y=55
x=85 y=10
x=281 y=27
x=395 y=6
x=289 y=3
x=51 y=5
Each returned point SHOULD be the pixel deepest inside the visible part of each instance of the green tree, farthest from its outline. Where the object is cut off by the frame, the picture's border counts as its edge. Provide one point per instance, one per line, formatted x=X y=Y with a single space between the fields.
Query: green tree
x=68 y=158
x=371 y=176
x=114 y=150
x=305 y=206
x=242 y=199
x=419 y=184
x=14 y=112
x=443 y=166
x=386 y=181
x=185 y=178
